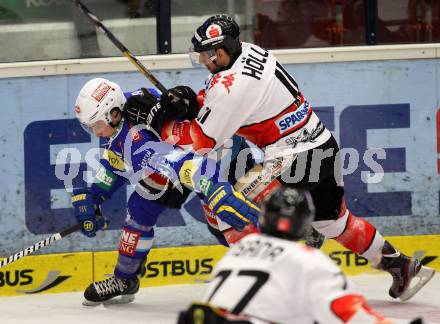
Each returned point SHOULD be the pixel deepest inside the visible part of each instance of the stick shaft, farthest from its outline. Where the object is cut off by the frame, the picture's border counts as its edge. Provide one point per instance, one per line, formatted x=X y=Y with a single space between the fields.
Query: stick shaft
x=41 y=244
x=121 y=47
x=256 y=185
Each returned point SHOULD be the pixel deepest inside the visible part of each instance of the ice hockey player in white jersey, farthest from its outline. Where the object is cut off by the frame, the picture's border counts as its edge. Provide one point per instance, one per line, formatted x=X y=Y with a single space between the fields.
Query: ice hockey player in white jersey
x=249 y=93
x=270 y=278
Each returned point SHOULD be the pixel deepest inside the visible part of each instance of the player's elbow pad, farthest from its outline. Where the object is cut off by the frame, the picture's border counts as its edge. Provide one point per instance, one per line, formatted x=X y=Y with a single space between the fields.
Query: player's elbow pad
x=187 y=133
x=177 y=132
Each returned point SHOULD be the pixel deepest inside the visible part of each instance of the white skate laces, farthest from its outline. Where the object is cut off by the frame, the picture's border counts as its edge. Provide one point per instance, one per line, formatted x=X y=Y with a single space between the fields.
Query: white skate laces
x=111 y=291
x=109 y=286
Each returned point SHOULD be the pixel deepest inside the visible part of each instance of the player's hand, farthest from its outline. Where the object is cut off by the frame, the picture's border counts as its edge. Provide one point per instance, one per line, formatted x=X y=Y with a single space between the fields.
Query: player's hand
x=180 y=104
x=87 y=212
x=231 y=206
x=145 y=109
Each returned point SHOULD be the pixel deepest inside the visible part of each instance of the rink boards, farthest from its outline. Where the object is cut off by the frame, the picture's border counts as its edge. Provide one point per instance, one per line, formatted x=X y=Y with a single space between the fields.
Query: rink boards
x=56 y=273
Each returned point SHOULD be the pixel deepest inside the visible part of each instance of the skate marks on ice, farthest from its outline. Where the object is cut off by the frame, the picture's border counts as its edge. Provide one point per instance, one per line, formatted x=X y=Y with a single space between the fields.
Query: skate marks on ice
x=425 y=304
x=154 y=305
x=407 y=311
x=160 y=305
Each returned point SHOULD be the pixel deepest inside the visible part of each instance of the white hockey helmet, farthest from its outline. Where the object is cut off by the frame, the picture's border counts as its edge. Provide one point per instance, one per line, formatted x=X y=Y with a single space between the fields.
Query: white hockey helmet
x=96 y=100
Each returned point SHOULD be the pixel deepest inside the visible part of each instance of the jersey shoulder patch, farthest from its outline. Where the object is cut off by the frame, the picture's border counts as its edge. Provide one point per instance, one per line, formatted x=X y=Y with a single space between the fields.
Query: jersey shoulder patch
x=114 y=160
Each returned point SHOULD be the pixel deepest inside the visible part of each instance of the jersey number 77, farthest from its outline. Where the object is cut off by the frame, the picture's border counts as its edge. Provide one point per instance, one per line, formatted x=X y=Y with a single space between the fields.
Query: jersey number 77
x=261 y=278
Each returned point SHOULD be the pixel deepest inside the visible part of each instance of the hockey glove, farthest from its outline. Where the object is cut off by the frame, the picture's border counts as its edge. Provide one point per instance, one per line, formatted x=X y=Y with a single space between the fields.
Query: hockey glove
x=145 y=109
x=182 y=104
x=231 y=206
x=87 y=211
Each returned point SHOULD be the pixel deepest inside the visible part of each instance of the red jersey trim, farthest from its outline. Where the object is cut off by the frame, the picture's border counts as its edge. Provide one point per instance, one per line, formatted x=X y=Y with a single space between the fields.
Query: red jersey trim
x=177 y=133
x=346 y=306
x=292 y=107
x=202 y=143
x=268 y=132
x=187 y=132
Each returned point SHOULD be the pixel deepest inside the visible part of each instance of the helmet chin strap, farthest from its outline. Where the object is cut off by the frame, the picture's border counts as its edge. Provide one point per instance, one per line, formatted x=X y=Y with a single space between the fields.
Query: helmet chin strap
x=114 y=125
x=219 y=68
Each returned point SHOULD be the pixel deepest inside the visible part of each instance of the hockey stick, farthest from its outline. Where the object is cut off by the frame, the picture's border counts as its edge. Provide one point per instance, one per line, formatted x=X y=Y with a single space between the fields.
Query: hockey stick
x=256 y=189
x=47 y=241
x=121 y=47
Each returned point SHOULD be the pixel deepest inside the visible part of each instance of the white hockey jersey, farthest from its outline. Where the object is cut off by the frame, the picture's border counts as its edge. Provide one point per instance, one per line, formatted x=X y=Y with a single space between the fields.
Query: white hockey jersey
x=279 y=281
x=257 y=99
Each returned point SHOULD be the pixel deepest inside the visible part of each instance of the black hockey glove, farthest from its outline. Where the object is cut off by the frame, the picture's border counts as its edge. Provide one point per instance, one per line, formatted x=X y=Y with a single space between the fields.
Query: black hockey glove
x=204 y=313
x=182 y=104
x=145 y=109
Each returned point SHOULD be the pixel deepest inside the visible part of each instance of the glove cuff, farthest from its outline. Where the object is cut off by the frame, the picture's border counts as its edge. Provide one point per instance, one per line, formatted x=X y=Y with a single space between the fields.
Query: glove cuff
x=98 y=199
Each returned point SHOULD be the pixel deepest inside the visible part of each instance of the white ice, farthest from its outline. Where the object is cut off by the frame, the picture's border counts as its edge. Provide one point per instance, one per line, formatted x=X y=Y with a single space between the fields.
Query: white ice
x=160 y=305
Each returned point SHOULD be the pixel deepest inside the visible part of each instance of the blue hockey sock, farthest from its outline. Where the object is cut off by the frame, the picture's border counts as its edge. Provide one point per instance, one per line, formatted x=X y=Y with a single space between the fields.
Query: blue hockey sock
x=134 y=245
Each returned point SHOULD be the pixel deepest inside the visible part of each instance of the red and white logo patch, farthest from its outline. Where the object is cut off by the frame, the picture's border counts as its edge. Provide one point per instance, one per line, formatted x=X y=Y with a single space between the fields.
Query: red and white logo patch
x=135 y=135
x=213 y=31
x=226 y=80
x=101 y=91
x=128 y=242
x=77 y=109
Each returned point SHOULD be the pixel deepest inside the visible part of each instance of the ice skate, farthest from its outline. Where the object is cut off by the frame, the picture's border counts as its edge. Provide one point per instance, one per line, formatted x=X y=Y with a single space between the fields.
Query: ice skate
x=112 y=290
x=405 y=271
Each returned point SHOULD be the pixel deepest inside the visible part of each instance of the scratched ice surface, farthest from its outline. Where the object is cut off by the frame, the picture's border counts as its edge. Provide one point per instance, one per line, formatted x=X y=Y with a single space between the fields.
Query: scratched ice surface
x=161 y=304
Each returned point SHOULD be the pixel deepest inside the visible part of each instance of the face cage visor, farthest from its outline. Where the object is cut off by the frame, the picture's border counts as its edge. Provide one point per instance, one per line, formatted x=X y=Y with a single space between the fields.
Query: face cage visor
x=98 y=125
x=201 y=58
x=94 y=128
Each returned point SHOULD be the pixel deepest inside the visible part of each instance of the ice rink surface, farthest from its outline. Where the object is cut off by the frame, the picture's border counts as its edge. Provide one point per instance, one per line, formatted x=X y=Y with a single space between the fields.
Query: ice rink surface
x=161 y=304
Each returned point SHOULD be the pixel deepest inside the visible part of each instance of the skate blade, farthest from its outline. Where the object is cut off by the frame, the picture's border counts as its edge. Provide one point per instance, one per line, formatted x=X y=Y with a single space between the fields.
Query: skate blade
x=124 y=299
x=424 y=275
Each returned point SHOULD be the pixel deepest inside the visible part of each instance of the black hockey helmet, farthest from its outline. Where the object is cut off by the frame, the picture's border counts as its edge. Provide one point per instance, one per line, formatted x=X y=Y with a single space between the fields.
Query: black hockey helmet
x=287 y=213
x=217 y=31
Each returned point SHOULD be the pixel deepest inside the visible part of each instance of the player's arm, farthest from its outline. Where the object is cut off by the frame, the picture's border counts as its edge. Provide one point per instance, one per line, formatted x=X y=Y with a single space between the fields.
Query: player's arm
x=169 y=117
x=87 y=201
x=187 y=132
x=219 y=119
x=202 y=176
x=178 y=132
x=107 y=180
x=152 y=110
x=224 y=111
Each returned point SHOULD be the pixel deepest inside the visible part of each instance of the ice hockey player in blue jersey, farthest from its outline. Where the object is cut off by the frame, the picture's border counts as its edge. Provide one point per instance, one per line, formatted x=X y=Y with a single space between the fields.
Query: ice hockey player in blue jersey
x=162 y=174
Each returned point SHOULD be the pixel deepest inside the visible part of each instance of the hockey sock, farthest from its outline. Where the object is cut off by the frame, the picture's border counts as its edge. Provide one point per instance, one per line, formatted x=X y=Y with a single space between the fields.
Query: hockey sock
x=134 y=245
x=354 y=233
x=362 y=238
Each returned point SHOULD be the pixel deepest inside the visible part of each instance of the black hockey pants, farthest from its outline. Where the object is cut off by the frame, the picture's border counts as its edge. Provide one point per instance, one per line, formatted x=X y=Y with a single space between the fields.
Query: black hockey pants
x=321 y=181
